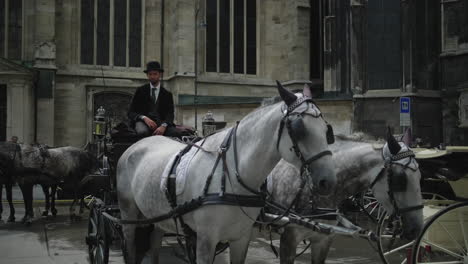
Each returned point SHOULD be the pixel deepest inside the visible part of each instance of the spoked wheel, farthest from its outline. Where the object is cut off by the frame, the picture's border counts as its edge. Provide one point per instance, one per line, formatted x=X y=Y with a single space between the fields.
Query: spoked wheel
x=97 y=240
x=392 y=248
x=371 y=206
x=444 y=238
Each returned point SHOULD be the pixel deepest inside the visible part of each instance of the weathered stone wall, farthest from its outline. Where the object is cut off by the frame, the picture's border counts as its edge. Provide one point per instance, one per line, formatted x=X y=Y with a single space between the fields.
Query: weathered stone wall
x=339 y=113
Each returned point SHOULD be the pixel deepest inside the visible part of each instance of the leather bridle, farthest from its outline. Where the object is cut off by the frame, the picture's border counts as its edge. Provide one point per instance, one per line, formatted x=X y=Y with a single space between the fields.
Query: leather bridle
x=286 y=121
x=387 y=169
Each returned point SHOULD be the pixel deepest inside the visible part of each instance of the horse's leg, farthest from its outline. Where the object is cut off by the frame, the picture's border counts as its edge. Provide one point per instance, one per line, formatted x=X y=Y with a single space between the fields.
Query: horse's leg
x=9 y=193
x=45 y=190
x=82 y=201
x=130 y=245
x=238 y=249
x=206 y=247
x=288 y=244
x=75 y=201
x=53 y=192
x=319 y=250
x=27 y=190
x=1 y=204
x=156 y=240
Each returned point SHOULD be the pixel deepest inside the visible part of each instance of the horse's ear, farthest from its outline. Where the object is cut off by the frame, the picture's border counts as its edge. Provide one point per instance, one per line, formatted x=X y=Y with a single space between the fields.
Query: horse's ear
x=393 y=145
x=407 y=137
x=287 y=96
x=306 y=91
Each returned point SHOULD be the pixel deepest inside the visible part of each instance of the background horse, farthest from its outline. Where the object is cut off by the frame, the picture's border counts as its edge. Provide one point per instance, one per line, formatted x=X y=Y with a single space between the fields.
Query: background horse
x=252 y=152
x=6 y=178
x=358 y=165
x=48 y=167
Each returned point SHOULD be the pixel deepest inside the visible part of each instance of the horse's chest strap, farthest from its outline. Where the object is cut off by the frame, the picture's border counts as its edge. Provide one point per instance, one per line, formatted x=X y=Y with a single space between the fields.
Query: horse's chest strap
x=234 y=200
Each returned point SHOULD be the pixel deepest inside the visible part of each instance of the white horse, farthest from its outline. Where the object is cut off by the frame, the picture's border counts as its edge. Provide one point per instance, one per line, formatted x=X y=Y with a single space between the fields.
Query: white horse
x=253 y=151
x=359 y=166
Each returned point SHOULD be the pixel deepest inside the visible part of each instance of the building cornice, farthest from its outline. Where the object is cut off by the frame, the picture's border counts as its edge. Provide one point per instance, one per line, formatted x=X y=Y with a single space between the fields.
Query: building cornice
x=391 y=93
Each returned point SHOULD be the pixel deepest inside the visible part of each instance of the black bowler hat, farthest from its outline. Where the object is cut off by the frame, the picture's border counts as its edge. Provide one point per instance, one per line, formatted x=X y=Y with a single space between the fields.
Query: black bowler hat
x=153 y=66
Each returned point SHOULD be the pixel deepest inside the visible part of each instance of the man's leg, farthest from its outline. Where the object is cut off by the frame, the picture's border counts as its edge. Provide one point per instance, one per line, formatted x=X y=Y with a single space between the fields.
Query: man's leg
x=172 y=131
x=142 y=129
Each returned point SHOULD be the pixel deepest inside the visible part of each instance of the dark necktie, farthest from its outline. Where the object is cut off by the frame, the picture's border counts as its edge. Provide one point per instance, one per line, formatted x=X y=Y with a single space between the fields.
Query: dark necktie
x=153 y=94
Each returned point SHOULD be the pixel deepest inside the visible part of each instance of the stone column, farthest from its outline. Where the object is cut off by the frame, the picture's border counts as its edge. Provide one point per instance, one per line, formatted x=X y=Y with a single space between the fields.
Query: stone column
x=44 y=61
x=21 y=109
x=179 y=48
x=358 y=49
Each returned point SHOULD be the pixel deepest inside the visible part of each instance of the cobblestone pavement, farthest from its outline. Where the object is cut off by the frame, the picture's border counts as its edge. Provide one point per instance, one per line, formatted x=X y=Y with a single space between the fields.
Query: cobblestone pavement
x=58 y=240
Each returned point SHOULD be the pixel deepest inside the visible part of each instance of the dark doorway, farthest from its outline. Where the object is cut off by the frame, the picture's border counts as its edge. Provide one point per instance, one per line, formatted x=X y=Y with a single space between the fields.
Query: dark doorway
x=116 y=105
x=3 y=112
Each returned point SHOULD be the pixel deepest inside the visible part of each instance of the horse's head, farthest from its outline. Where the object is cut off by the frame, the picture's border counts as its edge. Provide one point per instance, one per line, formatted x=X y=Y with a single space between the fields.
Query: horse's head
x=303 y=139
x=397 y=187
x=87 y=161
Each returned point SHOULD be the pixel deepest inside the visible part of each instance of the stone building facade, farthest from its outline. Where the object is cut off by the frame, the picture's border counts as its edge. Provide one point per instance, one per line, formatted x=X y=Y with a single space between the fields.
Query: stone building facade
x=62 y=59
x=412 y=49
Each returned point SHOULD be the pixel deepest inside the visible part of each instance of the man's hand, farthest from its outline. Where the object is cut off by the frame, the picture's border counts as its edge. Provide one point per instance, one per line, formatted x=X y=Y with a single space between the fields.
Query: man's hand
x=150 y=123
x=160 y=131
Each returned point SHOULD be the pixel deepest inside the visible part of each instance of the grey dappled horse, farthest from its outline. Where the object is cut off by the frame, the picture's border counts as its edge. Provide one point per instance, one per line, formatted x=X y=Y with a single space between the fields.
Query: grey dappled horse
x=141 y=167
x=359 y=164
x=45 y=166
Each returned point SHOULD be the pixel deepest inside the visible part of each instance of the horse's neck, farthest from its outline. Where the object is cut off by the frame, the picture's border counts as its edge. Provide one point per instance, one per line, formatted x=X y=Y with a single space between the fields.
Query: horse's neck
x=256 y=145
x=357 y=166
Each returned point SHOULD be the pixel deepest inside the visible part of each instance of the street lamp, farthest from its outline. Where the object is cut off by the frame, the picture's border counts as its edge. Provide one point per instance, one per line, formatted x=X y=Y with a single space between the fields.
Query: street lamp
x=99 y=122
x=208 y=124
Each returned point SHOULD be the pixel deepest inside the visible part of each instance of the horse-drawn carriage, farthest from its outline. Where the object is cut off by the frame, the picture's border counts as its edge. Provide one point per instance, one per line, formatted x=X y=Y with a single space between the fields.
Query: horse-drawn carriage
x=108 y=223
x=444 y=237
x=391 y=171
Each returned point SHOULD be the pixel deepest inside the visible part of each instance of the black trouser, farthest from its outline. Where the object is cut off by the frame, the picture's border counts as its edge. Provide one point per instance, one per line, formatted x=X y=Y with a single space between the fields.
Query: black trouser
x=144 y=131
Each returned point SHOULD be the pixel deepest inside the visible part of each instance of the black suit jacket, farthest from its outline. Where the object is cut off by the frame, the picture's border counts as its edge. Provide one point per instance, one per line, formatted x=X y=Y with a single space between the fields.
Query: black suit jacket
x=142 y=105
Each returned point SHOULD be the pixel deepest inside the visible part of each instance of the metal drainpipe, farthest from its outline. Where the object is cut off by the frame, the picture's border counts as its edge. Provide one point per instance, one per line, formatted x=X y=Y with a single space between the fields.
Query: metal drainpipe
x=162 y=35
x=195 y=99
x=35 y=109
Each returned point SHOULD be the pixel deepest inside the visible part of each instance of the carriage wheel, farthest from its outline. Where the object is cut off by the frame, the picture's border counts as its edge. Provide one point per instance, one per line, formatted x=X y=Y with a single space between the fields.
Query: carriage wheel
x=444 y=238
x=97 y=239
x=392 y=248
x=372 y=207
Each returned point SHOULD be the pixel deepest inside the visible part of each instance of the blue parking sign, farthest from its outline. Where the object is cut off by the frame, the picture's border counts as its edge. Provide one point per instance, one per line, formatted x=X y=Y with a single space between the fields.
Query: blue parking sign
x=405 y=105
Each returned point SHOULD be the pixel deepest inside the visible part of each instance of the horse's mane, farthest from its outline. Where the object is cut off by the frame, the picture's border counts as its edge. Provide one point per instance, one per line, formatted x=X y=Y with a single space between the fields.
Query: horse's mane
x=270 y=101
x=360 y=137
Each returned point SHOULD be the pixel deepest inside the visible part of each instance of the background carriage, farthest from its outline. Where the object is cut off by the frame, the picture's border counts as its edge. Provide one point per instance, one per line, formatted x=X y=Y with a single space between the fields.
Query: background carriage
x=444 y=238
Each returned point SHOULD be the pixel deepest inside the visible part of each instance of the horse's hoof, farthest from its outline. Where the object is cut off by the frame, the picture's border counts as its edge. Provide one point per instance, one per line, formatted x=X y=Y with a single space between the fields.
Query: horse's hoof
x=54 y=212
x=11 y=219
x=27 y=221
x=45 y=213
